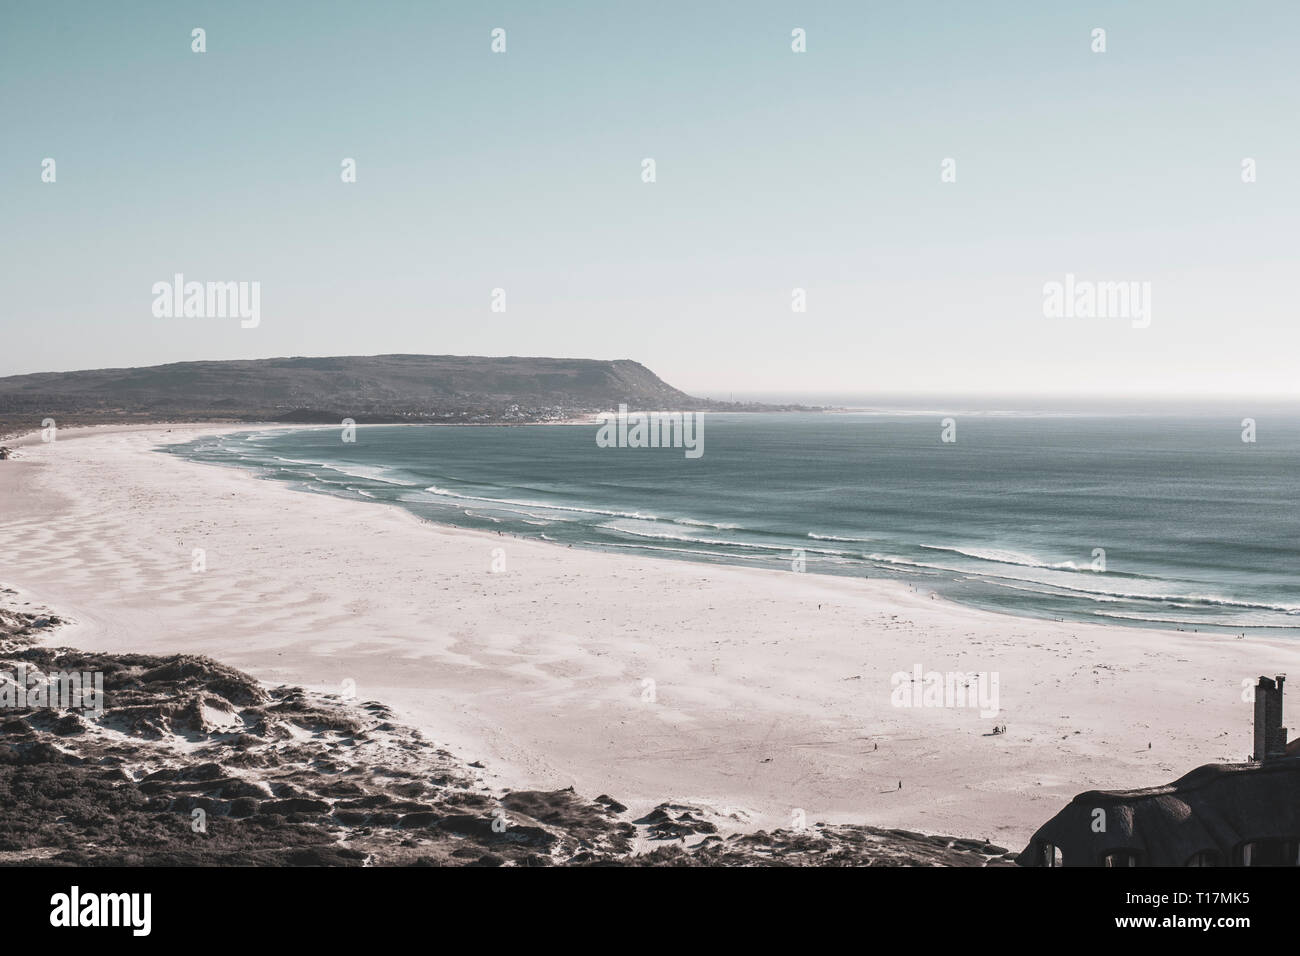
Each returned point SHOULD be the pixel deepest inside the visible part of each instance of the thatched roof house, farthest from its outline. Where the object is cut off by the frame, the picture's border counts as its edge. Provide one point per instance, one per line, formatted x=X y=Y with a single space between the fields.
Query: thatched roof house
x=1244 y=814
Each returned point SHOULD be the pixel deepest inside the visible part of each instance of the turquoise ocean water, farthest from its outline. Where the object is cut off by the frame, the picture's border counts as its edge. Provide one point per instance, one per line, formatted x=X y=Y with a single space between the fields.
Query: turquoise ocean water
x=1199 y=529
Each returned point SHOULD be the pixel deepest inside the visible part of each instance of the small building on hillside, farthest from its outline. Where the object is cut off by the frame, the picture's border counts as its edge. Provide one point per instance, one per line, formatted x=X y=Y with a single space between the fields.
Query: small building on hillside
x=1245 y=814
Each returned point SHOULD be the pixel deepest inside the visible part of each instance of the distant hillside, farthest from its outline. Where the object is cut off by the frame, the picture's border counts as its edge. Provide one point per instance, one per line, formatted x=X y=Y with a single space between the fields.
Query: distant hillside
x=366 y=388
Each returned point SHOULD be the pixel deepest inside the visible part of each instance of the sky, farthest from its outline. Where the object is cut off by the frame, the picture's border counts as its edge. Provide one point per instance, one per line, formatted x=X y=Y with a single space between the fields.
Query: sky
x=775 y=170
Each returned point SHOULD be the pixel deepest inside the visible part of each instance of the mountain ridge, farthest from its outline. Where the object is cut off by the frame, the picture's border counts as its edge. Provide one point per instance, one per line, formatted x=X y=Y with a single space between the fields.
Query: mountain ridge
x=401 y=387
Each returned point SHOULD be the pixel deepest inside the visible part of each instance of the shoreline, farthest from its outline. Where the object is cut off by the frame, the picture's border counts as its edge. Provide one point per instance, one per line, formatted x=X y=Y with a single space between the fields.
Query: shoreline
x=77 y=430
x=765 y=702
x=919 y=586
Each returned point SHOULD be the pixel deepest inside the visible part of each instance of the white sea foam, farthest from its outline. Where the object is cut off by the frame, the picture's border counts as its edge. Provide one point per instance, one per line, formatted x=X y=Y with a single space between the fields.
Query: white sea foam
x=1004 y=556
x=1144 y=589
x=445 y=493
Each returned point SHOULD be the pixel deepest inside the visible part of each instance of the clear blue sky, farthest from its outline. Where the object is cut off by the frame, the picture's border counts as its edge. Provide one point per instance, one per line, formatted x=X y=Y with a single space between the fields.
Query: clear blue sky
x=775 y=170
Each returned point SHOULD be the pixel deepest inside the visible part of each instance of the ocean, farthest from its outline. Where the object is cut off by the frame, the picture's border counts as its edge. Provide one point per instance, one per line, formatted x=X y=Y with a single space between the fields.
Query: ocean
x=1146 y=520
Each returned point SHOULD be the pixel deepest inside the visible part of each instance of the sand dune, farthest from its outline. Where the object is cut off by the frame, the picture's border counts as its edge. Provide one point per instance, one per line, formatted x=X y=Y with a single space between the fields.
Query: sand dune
x=771 y=690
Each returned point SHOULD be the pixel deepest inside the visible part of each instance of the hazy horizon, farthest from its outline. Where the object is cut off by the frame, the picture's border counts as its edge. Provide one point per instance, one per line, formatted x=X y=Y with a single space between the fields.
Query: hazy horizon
x=856 y=399
x=776 y=170
x=861 y=398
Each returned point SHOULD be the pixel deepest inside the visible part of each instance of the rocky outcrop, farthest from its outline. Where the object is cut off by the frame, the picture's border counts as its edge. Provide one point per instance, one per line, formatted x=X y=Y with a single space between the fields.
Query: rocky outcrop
x=190 y=762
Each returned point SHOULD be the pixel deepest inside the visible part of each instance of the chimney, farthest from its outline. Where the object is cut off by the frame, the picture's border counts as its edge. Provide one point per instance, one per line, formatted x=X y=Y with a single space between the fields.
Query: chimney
x=1270 y=735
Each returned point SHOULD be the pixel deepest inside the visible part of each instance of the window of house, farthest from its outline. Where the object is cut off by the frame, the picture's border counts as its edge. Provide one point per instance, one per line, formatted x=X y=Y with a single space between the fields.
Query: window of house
x=1271 y=852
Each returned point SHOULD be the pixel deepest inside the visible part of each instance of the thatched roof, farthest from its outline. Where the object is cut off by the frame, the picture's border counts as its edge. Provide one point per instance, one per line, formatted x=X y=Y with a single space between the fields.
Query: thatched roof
x=1216 y=808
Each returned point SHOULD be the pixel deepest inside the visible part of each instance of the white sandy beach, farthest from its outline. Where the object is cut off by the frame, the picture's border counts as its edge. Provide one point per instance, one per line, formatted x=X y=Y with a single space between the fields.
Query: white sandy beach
x=771 y=689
